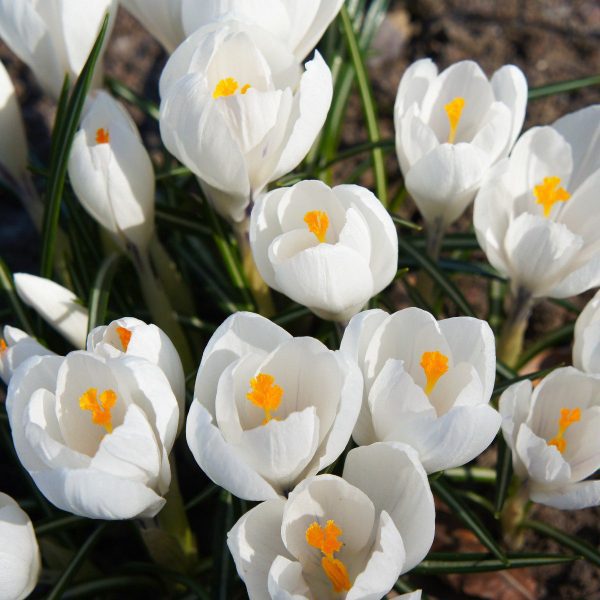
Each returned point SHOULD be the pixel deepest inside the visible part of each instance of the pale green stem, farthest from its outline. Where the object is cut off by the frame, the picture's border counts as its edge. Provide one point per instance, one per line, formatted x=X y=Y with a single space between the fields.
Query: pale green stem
x=434 y=237
x=510 y=342
x=515 y=511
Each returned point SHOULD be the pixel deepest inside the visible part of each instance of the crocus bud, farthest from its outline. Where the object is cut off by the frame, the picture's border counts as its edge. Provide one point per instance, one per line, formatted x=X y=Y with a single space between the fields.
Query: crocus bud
x=57 y=305
x=427 y=383
x=299 y=24
x=132 y=337
x=451 y=128
x=586 y=341
x=162 y=18
x=13 y=143
x=553 y=434
x=536 y=215
x=111 y=173
x=269 y=409
x=329 y=249
x=54 y=39
x=19 y=553
x=95 y=433
x=237 y=112
x=16 y=347
x=335 y=537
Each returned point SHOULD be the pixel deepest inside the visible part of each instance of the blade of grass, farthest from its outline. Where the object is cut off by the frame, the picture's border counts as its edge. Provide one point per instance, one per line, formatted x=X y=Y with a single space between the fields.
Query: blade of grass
x=535 y=375
x=61 y=142
x=127 y=583
x=122 y=91
x=7 y=284
x=101 y=290
x=405 y=223
x=558 y=336
x=562 y=86
x=368 y=103
x=503 y=474
x=568 y=541
x=470 y=519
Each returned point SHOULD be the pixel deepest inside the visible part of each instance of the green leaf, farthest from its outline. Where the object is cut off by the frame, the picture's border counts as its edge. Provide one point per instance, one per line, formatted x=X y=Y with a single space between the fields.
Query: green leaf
x=562 y=87
x=186 y=222
x=581 y=547
x=7 y=284
x=503 y=474
x=60 y=524
x=127 y=583
x=101 y=291
x=470 y=519
x=475 y=562
x=121 y=90
x=501 y=387
x=368 y=102
x=76 y=563
x=405 y=223
x=62 y=140
x=471 y=475
x=554 y=338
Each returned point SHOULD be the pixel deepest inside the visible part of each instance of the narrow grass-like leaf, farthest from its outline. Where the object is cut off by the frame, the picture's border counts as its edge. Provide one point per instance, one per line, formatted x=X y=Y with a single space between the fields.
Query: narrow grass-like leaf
x=61 y=115
x=503 y=474
x=470 y=519
x=202 y=496
x=121 y=90
x=473 y=562
x=7 y=284
x=404 y=223
x=535 y=375
x=127 y=583
x=183 y=221
x=62 y=140
x=171 y=576
x=451 y=241
x=563 y=86
x=555 y=337
x=58 y=525
x=368 y=102
x=76 y=563
x=568 y=541
x=471 y=474
x=438 y=277
x=100 y=292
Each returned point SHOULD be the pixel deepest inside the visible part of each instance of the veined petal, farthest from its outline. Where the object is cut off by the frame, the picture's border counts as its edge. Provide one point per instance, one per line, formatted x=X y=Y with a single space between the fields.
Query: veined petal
x=569 y=497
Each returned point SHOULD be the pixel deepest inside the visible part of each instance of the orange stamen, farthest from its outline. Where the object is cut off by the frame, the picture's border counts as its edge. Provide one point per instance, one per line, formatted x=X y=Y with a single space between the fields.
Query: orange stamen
x=228 y=87
x=318 y=223
x=435 y=364
x=3 y=345
x=548 y=194
x=326 y=540
x=100 y=407
x=124 y=336
x=567 y=418
x=102 y=136
x=265 y=394
x=454 y=110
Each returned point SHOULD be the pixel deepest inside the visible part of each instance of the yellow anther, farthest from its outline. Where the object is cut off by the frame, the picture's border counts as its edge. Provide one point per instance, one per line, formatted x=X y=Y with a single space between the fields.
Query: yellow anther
x=435 y=364
x=102 y=136
x=265 y=394
x=124 y=336
x=228 y=87
x=548 y=194
x=318 y=223
x=326 y=540
x=100 y=407
x=3 y=346
x=454 y=110
x=567 y=418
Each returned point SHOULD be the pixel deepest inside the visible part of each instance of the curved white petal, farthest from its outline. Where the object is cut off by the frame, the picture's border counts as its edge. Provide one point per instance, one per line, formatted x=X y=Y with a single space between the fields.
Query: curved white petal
x=570 y=497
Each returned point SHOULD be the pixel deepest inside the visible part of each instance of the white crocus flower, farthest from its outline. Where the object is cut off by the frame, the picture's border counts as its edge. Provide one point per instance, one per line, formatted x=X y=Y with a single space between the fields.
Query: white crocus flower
x=329 y=249
x=16 y=347
x=131 y=337
x=52 y=37
x=299 y=24
x=19 y=553
x=269 y=409
x=451 y=128
x=13 y=143
x=553 y=435
x=57 y=305
x=536 y=216
x=162 y=18
x=111 y=173
x=427 y=383
x=340 y=538
x=95 y=433
x=586 y=342
x=237 y=112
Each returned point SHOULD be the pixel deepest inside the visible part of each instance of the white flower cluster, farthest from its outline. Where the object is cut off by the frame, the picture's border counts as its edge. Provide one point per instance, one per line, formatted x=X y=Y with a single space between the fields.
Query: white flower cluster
x=271 y=412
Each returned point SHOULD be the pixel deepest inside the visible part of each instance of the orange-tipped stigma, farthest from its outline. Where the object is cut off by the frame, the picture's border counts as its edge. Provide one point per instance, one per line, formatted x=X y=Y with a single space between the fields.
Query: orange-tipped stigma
x=265 y=394
x=326 y=540
x=102 y=136
x=435 y=364
x=124 y=336
x=454 y=110
x=100 y=407
x=318 y=223
x=3 y=346
x=228 y=87
x=567 y=418
x=548 y=193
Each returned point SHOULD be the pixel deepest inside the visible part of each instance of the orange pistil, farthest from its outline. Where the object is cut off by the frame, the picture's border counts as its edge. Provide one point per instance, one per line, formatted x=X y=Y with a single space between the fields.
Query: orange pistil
x=548 y=194
x=100 y=407
x=567 y=418
x=124 y=336
x=102 y=136
x=3 y=346
x=435 y=364
x=454 y=110
x=228 y=87
x=265 y=394
x=318 y=223
x=326 y=540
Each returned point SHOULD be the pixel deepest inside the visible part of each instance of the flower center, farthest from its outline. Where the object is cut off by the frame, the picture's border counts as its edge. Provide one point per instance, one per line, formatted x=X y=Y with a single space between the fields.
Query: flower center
x=124 y=336
x=3 y=346
x=567 y=418
x=548 y=194
x=318 y=223
x=326 y=540
x=265 y=394
x=100 y=407
x=435 y=364
x=454 y=110
x=228 y=87
x=102 y=136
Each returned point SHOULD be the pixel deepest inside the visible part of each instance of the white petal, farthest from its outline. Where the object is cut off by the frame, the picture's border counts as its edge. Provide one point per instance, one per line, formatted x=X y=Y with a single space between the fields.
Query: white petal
x=286 y=582
x=414 y=139
x=570 y=497
x=413 y=86
x=13 y=142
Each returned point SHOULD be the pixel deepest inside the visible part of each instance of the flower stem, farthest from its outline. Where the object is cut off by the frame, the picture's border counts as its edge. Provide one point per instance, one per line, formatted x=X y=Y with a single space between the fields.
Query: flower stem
x=510 y=342
x=434 y=237
x=258 y=288
x=514 y=512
